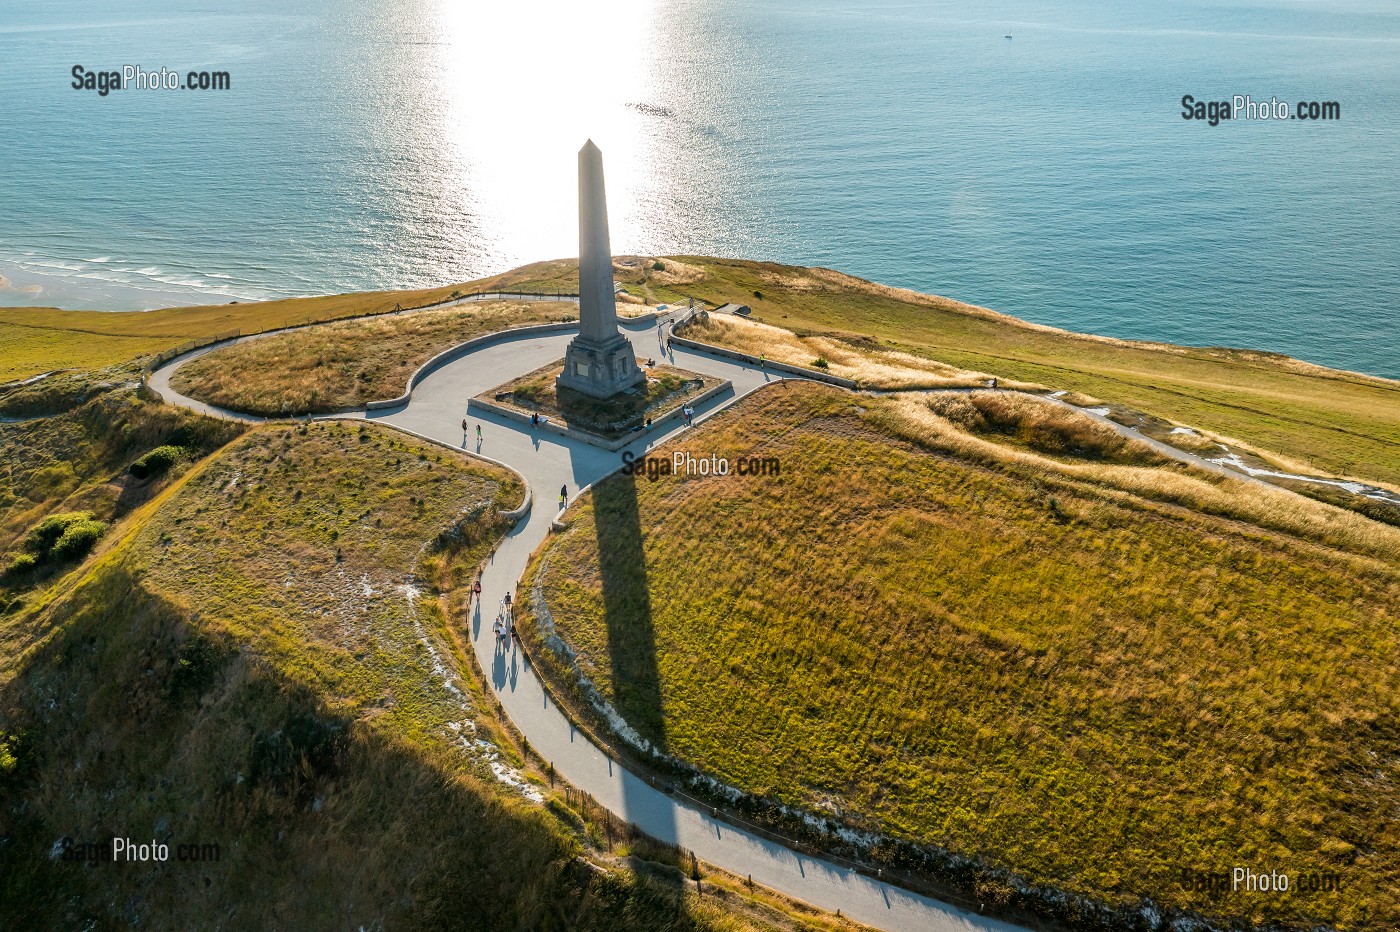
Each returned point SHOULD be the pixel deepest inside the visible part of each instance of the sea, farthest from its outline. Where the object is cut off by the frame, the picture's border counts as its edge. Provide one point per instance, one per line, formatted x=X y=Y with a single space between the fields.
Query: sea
x=1025 y=155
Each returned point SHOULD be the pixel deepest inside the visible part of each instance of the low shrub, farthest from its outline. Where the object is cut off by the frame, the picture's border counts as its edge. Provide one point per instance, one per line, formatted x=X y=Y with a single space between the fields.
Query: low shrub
x=78 y=539
x=41 y=538
x=1041 y=426
x=820 y=363
x=65 y=536
x=156 y=461
x=12 y=752
x=21 y=563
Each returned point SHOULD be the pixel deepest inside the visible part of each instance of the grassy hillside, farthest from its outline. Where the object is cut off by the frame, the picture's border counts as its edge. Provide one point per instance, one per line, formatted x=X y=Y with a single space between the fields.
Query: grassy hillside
x=1329 y=420
x=262 y=658
x=348 y=363
x=1096 y=675
x=32 y=349
x=41 y=339
x=38 y=339
x=79 y=461
x=1323 y=419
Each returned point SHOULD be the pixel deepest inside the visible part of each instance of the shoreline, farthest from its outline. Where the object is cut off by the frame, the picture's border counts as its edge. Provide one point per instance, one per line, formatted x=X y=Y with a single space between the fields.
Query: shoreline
x=36 y=290
x=99 y=284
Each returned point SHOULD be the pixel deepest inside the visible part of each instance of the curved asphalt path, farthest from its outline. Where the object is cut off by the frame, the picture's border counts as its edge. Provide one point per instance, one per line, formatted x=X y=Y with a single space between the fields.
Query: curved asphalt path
x=549 y=461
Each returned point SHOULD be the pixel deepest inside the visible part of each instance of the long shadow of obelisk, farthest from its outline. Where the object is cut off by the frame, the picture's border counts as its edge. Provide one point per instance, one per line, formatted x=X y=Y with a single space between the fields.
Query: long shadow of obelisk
x=632 y=644
x=627 y=608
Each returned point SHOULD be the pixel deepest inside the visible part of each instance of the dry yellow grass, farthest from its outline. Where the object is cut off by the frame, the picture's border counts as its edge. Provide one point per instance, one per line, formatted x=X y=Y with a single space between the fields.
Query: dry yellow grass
x=673 y=272
x=346 y=364
x=260 y=663
x=636 y=273
x=39 y=339
x=1041 y=425
x=1240 y=499
x=871 y=366
x=1340 y=422
x=1096 y=676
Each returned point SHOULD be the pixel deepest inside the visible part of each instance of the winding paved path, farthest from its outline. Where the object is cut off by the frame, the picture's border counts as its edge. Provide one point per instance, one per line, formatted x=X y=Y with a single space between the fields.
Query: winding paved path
x=548 y=461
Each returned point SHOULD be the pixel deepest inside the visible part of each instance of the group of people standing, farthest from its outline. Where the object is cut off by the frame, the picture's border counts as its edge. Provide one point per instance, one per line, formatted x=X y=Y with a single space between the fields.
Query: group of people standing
x=504 y=625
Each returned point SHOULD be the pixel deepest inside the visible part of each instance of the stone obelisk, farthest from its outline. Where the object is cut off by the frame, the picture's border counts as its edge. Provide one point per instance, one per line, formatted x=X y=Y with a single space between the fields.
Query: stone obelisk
x=599 y=361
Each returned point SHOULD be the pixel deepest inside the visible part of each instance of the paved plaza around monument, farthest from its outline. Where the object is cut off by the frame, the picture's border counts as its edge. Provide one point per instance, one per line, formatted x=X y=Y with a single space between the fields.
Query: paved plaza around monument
x=548 y=461
x=600 y=361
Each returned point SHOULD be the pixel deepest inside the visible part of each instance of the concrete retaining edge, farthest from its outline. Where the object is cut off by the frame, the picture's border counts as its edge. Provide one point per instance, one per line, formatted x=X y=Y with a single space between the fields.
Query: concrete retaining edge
x=505 y=411
x=236 y=336
x=461 y=349
x=441 y=359
x=798 y=371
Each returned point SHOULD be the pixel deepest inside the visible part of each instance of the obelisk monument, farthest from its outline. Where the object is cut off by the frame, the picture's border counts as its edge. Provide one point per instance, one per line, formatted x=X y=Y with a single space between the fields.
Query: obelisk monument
x=599 y=361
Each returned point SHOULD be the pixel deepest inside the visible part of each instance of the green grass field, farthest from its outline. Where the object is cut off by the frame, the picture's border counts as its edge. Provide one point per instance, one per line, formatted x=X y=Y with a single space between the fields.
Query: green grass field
x=346 y=364
x=78 y=460
x=39 y=339
x=1071 y=671
x=269 y=656
x=1321 y=419
x=32 y=350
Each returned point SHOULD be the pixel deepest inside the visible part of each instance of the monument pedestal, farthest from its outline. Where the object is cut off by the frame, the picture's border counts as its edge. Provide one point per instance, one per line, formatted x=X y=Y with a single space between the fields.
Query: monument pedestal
x=600 y=362
x=600 y=370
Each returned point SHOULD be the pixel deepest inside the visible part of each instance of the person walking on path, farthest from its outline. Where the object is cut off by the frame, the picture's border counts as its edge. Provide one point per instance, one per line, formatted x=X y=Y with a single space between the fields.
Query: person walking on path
x=763 y=362
x=476 y=589
x=464 y=430
x=563 y=496
x=478 y=433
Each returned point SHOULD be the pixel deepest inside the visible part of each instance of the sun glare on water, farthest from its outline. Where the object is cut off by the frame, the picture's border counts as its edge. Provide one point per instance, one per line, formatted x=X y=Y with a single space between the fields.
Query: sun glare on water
x=520 y=87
